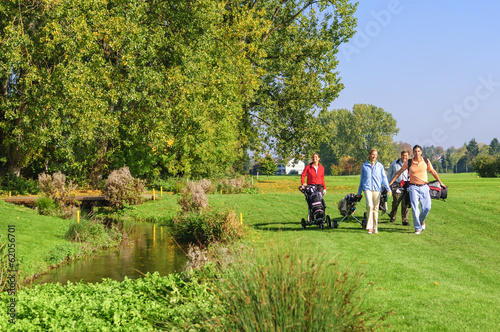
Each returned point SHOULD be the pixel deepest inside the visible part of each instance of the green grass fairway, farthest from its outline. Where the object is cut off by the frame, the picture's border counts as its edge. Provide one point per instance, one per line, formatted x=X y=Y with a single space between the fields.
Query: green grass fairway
x=446 y=279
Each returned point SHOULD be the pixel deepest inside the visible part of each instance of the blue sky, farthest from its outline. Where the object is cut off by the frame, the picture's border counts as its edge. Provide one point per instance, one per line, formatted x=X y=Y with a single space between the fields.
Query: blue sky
x=434 y=65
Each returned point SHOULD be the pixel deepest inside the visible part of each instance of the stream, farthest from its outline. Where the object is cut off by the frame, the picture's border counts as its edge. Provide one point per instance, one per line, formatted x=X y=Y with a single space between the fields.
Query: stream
x=147 y=248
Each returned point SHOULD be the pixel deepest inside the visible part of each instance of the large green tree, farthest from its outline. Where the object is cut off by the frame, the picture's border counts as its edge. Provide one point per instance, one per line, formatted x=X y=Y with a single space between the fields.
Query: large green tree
x=175 y=87
x=354 y=133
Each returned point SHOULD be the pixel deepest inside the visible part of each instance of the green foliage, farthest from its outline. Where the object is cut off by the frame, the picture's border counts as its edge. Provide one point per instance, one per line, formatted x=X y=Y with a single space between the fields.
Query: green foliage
x=18 y=185
x=494 y=147
x=273 y=288
x=121 y=189
x=85 y=237
x=147 y=304
x=46 y=206
x=90 y=86
x=487 y=166
x=61 y=253
x=354 y=133
x=171 y=184
x=213 y=225
x=267 y=165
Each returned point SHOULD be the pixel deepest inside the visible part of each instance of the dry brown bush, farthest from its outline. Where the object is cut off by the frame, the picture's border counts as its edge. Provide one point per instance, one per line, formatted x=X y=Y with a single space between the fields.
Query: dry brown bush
x=193 y=197
x=121 y=188
x=61 y=192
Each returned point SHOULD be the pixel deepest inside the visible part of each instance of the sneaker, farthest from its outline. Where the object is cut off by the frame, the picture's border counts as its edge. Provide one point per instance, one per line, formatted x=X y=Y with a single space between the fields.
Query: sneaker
x=375 y=230
x=418 y=231
x=423 y=225
x=369 y=231
x=406 y=223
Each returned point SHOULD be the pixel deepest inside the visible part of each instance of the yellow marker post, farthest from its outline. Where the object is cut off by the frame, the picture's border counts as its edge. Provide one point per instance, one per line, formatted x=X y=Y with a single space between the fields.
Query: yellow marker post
x=9 y=194
x=78 y=216
x=154 y=196
x=241 y=218
x=221 y=191
x=161 y=191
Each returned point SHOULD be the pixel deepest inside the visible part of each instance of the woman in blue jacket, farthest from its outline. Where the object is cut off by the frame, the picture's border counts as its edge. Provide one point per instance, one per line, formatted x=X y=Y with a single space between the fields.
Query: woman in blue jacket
x=372 y=179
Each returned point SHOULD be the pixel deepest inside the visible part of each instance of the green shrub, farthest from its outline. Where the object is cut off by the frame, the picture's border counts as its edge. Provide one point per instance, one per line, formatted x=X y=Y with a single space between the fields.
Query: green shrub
x=152 y=303
x=122 y=189
x=94 y=234
x=206 y=228
x=171 y=184
x=273 y=289
x=487 y=166
x=46 y=206
x=61 y=253
x=19 y=185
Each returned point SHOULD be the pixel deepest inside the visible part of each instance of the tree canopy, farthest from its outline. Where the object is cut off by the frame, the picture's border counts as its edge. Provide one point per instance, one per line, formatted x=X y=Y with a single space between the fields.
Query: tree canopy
x=167 y=88
x=354 y=133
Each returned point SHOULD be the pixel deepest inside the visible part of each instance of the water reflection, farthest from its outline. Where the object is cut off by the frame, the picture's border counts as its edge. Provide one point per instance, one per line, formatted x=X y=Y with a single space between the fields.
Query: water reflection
x=148 y=248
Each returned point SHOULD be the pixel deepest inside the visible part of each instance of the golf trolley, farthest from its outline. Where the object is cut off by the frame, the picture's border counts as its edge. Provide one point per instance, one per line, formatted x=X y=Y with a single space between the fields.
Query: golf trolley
x=316 y=214
x=347 y=207
x=383 y=202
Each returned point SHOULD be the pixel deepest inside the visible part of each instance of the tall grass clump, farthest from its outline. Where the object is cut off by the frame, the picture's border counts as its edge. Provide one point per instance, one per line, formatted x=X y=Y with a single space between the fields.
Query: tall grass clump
x=200 y=224
x=278 y=289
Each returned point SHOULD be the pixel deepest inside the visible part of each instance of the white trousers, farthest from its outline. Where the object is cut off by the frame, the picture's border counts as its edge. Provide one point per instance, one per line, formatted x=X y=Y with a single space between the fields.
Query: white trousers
x=372 y=203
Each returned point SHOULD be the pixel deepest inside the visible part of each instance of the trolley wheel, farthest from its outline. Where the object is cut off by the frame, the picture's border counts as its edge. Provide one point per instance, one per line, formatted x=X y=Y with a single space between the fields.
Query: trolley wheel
x=365 y=216
x=328 y=221
x=303 y=223
x=335 y=223
x=322 y=225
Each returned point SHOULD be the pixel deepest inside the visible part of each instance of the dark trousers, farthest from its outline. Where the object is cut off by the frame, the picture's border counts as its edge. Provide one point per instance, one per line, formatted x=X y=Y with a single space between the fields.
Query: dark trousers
x=405 y=209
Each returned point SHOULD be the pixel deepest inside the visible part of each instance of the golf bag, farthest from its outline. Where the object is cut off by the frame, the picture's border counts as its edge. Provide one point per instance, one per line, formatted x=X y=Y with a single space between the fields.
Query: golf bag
x=314 y=199
x=436 y=191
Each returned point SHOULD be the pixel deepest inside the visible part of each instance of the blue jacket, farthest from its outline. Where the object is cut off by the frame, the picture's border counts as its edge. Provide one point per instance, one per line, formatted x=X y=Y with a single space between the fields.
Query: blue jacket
x=373 y=178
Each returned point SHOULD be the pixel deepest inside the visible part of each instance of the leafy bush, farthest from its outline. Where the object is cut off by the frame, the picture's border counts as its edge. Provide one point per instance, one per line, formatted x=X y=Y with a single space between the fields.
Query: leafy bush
x=122 y=189
x=61 y=253
x=46 y=206
x=93 y=233
x=90 y=237
x=273 y=289
x=487 y=166
x=206 y=228
x=172 y=184
x=19 y=185
x=153 y=303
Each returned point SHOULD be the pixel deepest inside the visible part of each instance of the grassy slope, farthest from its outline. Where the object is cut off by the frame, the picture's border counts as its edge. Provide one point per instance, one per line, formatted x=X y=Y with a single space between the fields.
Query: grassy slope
x=35 y=235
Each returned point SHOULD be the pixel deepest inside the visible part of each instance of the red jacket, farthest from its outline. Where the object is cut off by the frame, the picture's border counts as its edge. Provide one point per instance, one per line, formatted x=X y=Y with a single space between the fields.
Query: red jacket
x=312 y=176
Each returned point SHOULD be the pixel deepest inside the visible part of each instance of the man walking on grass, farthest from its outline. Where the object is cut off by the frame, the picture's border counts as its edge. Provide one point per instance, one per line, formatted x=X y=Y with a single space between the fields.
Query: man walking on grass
x=398 y=194
x=419 y=190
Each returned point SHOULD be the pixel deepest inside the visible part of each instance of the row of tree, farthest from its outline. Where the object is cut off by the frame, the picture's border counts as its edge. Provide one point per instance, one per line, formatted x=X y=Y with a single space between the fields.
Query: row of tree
x=183 y=87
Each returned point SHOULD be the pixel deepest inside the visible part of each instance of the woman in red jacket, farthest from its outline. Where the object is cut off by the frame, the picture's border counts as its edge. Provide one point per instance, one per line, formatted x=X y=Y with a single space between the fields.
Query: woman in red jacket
x=315 y=174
